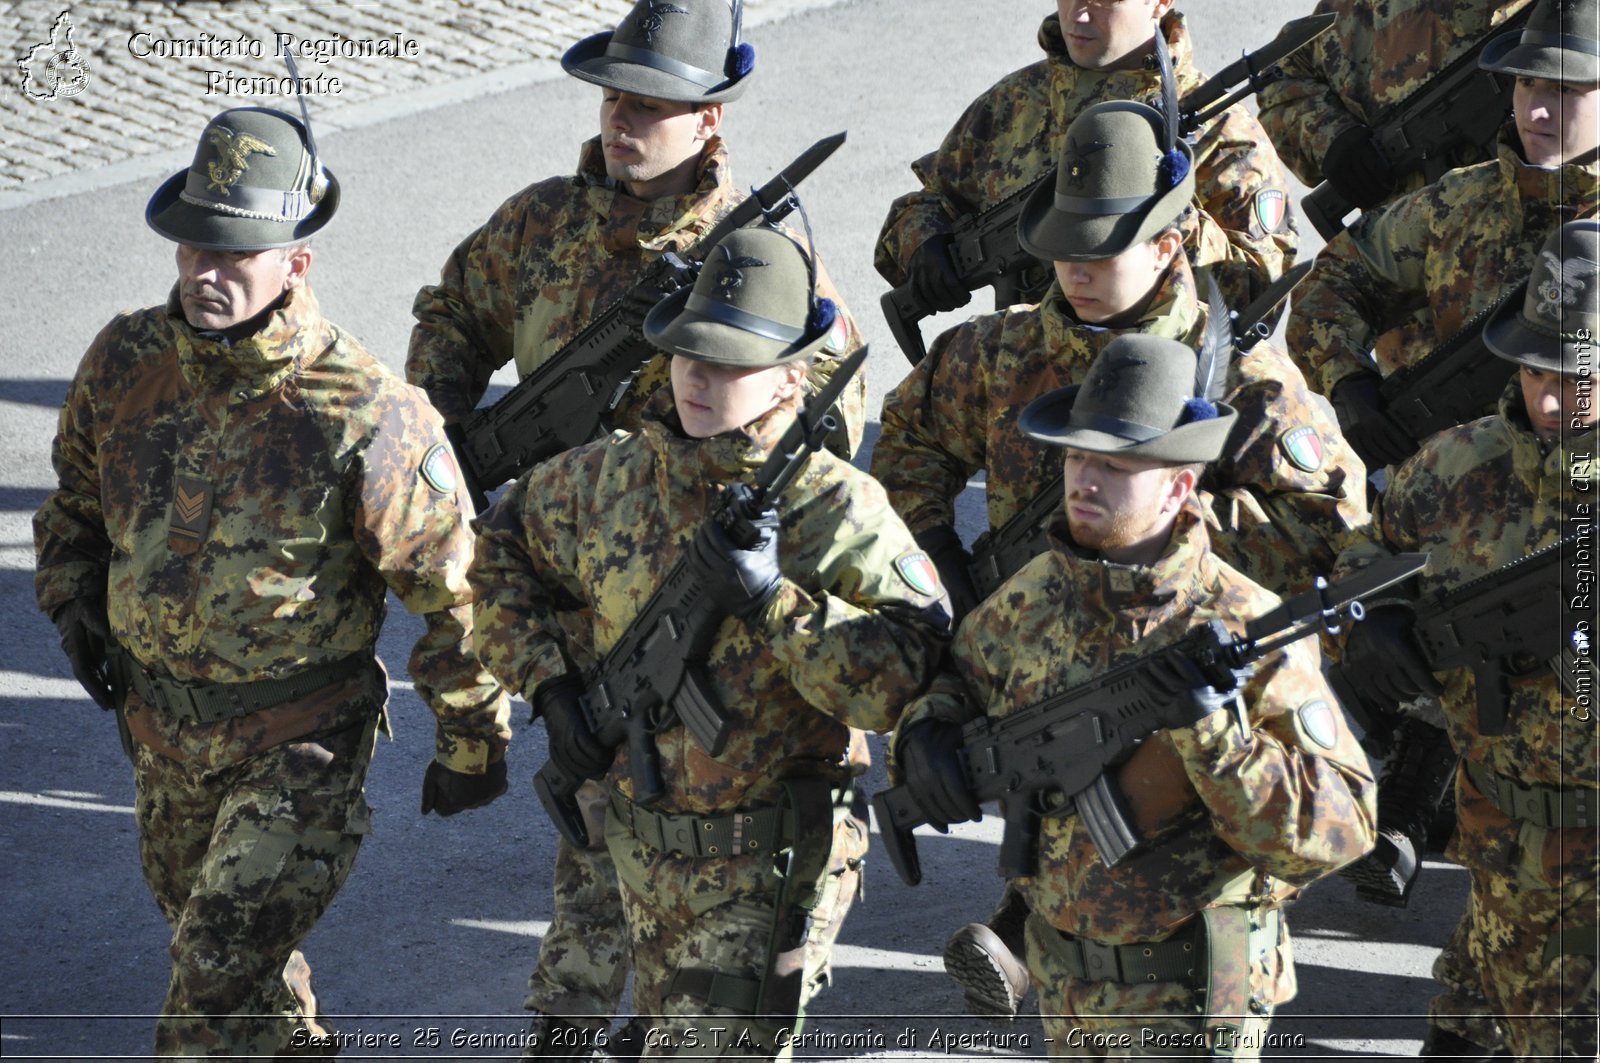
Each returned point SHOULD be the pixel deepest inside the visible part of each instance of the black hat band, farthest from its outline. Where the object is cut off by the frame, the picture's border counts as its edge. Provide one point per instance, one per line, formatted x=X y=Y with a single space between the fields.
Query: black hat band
x=1564 y=41
x=743 y=320
x=264 y=204
x=644 y=57
x=1114 y=426
x=1101 y=207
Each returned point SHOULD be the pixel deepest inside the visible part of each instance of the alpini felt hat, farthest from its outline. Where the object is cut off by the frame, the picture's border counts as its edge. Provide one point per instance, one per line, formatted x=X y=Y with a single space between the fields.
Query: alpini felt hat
x=754 y=305
x=256 y=182
x=1561 y=42
x=1553 y=326
x=1117 y=186
x=688 y=51
x=1144 y=397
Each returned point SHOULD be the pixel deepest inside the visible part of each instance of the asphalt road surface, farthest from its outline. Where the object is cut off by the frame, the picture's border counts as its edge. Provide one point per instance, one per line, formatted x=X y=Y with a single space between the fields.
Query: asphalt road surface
x=440 y=923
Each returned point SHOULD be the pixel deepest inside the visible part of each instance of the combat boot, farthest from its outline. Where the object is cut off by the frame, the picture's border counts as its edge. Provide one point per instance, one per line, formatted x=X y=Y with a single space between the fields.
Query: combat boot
x=1415 y=780
x=986 y=959
x=1442 y=1044
x=627 y=1044
x=552 y=1037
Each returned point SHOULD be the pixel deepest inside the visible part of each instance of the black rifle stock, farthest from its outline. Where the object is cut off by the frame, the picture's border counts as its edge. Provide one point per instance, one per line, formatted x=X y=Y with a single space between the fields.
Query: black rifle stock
x=985 y=247
x=567 y=401
x=1458 y=381
x=1462 y=106
x=1001 y=551
x=1515 y=610
x=652 y=677
x=1051 y=758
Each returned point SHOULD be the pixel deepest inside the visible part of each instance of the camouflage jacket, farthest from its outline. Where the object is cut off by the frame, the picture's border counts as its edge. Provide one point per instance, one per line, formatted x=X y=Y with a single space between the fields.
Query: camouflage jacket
x=243 y=508
x=1477 y=497
x=573 y=550
x=1279 y=502
x=1014 y=133
x=1376 y=55
x=550 y=260
x=1452 y=248
x=1228 y=818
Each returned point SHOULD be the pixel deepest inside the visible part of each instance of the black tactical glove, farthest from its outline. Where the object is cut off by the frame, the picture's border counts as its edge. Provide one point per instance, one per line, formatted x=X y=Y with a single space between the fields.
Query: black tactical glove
x=447 y=791
x=1384 y=660
x=741 y=581
x=1376 y=439
x=84 y=633
x=573 y=745
x=930 y=760
x=1357 y=169
x=933 y=276
x=1194 y=694
x=954 y=563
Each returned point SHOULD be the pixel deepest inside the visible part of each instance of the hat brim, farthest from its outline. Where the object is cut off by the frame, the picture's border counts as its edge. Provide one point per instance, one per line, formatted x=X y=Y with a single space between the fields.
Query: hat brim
x=1054 y=235
x=587 y=61
x=212 y=230
x=1509 y=338
x=675 y=329
x=1506 y=54
x=1047 y=420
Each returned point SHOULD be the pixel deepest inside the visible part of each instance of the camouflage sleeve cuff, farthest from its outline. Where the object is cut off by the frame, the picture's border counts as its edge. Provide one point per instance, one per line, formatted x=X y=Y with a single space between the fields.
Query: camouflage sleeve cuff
x=1211 y=746
x=790 y=602
x=470 y=756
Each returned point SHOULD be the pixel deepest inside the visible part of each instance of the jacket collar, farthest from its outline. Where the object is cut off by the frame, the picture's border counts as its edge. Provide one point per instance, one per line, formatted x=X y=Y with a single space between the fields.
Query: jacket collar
x=724 y=458
x=625 y=222
x=1144 y=595
x=292 y=336
x=1175 y=312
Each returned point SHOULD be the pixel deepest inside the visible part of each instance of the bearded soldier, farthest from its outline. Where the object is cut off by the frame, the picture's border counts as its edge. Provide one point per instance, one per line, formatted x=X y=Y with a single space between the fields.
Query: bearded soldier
x=1095 y=51
x=1478 y=497
x=1182 y=946
x=240 y=483
x=1278 y=502
x=553 y=256
x=736 y=876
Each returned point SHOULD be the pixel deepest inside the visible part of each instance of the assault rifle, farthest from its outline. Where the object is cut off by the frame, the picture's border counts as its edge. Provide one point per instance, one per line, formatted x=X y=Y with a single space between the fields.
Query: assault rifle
x=985 y=247
x=1458 y=381
x=653 y=678
x=1461 y=107
x=1051 y=757
x=568 y=400
x=1515 y=611
x=1000 y=552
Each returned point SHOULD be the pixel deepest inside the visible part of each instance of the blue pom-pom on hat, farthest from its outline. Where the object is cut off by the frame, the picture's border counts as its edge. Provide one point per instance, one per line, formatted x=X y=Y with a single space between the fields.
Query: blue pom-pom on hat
x=1197 y=410
x=823 y=315
x=741 y=60
x=1174 y=168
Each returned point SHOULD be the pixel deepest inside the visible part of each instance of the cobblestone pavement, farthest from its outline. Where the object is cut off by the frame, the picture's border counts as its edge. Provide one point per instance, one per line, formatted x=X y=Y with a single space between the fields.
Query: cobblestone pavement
x=146 y=75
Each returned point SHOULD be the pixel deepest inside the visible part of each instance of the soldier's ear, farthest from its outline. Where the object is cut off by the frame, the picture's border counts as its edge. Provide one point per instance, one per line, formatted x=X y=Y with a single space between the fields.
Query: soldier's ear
x=298 y=259
x=709 y=117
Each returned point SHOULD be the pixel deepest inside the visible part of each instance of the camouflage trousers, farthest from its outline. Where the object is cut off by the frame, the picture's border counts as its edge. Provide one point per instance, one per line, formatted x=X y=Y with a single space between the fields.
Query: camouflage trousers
x=583 y=960
x=1462 y=1009
x=1156 y=1019
x=721 y=914
x=1545 y=996
x=243 y=860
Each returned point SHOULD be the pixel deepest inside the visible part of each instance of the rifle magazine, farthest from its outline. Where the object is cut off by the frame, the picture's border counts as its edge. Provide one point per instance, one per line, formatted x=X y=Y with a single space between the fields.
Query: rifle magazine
x=1105 y=815
x=700 y=710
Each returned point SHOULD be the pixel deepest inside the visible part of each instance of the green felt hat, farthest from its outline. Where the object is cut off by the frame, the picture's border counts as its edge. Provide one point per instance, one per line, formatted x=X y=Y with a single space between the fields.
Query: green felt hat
x=255 y=183
x=1141 y=398
x=688 y=51
x=1116 y=186
x=753 y=305
x=1558 y=317
x=1561 y=42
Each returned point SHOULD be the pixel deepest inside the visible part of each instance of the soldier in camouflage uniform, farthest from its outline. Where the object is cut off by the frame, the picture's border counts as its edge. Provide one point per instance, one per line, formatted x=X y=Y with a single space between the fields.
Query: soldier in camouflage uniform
x=1477 y=497
x=1320 y=114
x=549 y=260
x=1278 y=504
x=1236 y=813
x=1449 y=247
x=240 y=483
x=836 y=621
x=1242 y=232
